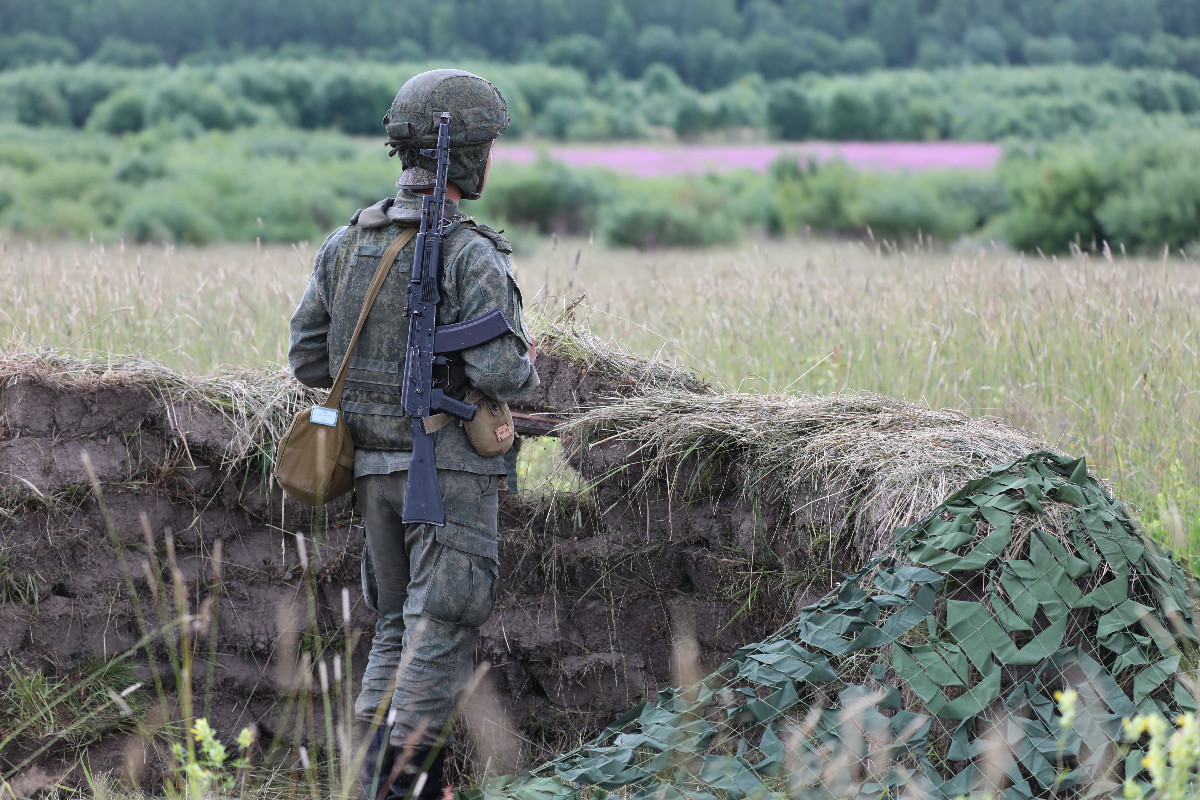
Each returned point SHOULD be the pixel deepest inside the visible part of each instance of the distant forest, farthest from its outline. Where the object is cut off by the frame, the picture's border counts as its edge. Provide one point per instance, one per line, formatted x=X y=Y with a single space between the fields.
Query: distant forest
x=709 y=43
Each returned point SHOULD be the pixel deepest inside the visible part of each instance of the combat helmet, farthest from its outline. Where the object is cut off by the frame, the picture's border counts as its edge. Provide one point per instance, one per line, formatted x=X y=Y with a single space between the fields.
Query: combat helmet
x=477 y=115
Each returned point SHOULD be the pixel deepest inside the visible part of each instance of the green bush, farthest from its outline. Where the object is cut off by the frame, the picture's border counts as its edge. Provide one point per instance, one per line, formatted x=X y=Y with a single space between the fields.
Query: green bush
x=123 y=111
x=776 y=56
x=121 y=52
x=580 y=51
x=546 y=195
x=833 y=198
x=84 y=90
x=658 y=45
x=1135 y=190
x=154 y=186
x=59 y=198
x=1187 y=57
x=30 y=101
x=933 y=54
x=8 y=194
x=281 y=87
x=927 y=119
x=137 y=168
x=354 y=102
x=168 y=219
x=789 y=112
x=903 y=207
x=539 y=85
x=560 y=114
x=818 y=48
x=1160 y=207
x=649 y=219
x=31 y=47
x=850 y=117
x=712 y=59
x=979 y=196
x=742 y=104
x=58 y=218
x=22 y=155
x=859 y=55
x=204 y=102
x=695 y=114
x=1054 y=203
x=983 y=44
x=816 y=196
x=1052 y=50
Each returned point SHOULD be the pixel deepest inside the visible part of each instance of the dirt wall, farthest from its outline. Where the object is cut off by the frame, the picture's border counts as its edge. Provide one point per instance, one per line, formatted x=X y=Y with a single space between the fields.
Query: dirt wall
x=595 y=586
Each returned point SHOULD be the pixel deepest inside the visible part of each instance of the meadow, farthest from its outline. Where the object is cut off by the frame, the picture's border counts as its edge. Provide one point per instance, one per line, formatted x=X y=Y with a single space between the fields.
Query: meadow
x=1097 y=353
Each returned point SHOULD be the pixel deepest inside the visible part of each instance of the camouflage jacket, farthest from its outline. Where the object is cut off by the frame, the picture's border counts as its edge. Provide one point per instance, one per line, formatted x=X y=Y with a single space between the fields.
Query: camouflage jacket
x=476 y=278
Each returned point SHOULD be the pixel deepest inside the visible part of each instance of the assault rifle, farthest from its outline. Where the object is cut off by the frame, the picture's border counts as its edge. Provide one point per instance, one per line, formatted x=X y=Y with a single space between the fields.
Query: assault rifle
x=428 y=344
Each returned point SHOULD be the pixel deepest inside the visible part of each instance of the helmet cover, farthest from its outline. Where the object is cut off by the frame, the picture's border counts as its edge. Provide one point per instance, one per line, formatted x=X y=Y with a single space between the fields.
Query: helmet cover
x=478 y=114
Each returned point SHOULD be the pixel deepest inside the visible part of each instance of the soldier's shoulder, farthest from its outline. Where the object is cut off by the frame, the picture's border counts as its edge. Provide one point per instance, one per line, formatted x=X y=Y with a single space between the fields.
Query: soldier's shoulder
x=494 y=237
x=332 y=242
x=373 y=216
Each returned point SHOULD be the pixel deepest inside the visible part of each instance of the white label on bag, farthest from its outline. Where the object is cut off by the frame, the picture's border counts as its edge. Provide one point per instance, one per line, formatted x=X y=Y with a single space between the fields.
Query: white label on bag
x=324 y=416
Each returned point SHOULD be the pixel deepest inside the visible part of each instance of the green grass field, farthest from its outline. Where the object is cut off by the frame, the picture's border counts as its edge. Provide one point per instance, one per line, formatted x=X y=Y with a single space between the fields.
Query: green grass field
x=1098 y=354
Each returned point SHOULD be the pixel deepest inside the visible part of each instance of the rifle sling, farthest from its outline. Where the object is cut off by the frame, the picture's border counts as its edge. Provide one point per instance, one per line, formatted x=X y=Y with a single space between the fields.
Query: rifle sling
x=385 y=265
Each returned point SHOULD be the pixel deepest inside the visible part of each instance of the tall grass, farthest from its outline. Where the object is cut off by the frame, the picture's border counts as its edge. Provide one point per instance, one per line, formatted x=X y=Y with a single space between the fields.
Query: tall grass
x=1097 y=353
x=193 y=309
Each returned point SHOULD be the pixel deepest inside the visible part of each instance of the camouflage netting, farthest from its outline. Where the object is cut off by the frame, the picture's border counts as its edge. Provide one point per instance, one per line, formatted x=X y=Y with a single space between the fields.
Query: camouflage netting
x=932 y=671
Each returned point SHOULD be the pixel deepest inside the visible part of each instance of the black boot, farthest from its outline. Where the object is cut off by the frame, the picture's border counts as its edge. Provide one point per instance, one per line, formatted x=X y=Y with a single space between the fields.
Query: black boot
x=408 y=784
x=377 y=764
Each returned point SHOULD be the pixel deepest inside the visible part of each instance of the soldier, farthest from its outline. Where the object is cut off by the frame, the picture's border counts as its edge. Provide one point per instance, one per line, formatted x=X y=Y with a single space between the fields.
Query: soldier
x=432 y=587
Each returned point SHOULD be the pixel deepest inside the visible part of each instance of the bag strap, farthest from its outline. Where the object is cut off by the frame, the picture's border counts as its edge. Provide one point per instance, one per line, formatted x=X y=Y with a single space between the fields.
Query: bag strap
x=385 y=265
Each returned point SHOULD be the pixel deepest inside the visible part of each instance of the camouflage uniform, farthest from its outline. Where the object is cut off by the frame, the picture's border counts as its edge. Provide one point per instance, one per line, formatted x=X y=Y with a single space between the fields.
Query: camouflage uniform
x=431 y=587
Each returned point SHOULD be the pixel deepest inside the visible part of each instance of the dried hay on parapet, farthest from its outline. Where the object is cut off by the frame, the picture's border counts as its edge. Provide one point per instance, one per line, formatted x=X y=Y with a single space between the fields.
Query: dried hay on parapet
x=256 y=405
x=848 y=468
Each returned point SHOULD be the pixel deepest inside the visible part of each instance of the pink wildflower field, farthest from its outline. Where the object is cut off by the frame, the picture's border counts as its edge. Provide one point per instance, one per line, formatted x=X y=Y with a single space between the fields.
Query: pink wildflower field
x=650 y=160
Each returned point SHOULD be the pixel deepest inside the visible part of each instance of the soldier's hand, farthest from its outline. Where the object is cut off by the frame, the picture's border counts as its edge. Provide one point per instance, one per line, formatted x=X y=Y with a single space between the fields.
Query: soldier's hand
x=533 y=351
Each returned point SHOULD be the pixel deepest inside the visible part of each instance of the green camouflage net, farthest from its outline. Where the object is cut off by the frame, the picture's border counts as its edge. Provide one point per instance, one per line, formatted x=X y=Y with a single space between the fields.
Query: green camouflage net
x=931 y=672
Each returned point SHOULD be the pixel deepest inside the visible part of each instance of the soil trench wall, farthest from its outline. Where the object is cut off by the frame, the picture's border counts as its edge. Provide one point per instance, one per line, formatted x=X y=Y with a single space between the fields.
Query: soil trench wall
x=594 y=587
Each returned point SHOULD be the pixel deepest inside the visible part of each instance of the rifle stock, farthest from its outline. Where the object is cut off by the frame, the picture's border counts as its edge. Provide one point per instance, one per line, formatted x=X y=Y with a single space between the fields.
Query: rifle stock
x=422 y=493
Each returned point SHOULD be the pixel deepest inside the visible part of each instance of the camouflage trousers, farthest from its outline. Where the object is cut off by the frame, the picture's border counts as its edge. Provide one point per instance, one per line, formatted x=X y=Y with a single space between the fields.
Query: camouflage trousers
x=432 y=589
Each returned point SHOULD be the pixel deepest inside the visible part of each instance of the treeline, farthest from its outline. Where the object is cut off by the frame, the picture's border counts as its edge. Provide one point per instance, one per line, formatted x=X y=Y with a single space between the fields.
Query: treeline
x=979 y=103
x=709 y=43
x=1133 y=188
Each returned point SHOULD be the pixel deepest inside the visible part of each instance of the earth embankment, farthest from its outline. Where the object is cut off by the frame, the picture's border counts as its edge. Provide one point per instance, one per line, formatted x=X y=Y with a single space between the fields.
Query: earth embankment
x=134 y=497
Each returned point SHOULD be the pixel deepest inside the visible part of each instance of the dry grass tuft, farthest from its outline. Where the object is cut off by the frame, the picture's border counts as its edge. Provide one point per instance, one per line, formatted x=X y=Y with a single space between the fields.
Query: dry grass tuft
x=565 y=338
x=259 y=404
x=892 y=462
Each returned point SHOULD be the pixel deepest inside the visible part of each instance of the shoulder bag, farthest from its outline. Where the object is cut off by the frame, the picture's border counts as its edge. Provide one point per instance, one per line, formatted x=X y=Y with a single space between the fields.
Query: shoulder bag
x=314 y=461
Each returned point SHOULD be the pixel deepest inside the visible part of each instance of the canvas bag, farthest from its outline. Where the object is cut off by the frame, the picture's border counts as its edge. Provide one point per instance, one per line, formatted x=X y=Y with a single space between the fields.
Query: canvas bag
x=490 y=431
x=314 y=461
